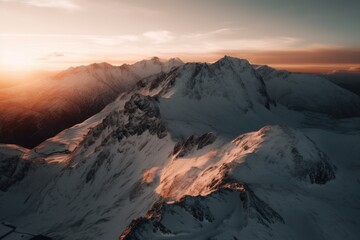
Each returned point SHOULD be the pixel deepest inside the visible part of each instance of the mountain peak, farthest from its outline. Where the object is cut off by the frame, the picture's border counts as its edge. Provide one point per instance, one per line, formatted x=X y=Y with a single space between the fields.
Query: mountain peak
x=176 y=59
x=264 y=70
x=100 y=65
x=155 y=59
x=148 y=67
x=226 y=60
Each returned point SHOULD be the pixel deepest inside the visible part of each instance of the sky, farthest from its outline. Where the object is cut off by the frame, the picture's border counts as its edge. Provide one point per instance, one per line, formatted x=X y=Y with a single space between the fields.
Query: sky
x=307 y=35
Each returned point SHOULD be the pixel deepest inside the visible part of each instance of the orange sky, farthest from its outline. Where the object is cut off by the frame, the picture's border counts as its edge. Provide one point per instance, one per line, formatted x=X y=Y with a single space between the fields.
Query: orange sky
x=47 y=35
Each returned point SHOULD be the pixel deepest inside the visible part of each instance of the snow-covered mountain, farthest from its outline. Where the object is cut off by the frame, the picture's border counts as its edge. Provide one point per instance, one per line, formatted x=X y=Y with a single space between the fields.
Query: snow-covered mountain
x=200 y=151
x=33 y=112
x=153 y=66
x=300 y=91
x=226 y=96
x=349 y=80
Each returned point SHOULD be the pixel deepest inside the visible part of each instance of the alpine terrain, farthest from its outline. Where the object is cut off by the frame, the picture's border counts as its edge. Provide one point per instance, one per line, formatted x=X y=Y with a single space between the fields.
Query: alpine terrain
x=34 y=111
x=173 y=150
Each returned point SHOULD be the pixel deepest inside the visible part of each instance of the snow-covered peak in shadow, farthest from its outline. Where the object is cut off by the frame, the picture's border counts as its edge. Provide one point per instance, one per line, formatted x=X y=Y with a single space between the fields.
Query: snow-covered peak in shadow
x=309 y=92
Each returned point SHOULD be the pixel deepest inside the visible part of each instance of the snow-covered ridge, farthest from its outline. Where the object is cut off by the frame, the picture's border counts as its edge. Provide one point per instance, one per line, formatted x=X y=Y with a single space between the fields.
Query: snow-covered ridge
x=199 y=217
x=267 y=152
x=211 y=186
x=153 y=66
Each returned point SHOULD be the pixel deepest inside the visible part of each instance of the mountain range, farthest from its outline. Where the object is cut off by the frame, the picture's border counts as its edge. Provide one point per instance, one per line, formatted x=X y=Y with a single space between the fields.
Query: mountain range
x=173 y=150
x=32 y=112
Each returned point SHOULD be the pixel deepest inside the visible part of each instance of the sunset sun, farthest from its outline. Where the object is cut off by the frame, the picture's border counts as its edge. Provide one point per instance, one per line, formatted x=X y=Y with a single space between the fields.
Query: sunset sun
x=18 y=62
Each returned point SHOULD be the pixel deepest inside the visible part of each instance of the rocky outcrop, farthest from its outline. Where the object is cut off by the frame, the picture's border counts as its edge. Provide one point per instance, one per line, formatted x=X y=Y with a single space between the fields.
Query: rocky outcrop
x=143 y=114
x=12 y=167
x=113 y=119
x=159 y=83
x=140 y=114
x=318 y=172
x=193 y=143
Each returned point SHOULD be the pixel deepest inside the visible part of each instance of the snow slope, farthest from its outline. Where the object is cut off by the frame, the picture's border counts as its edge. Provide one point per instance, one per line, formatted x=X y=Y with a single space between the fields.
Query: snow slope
x=275 y=183
x=76 y=198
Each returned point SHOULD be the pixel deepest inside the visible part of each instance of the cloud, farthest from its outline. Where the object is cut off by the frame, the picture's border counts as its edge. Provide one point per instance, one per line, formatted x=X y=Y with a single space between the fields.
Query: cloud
x=114 y=40
x=164 y=41
x=138 y=10
x=223 y=39
x=226 y=32
x=354 y=69
x=159 y=36
x=350 y=70
x=51 y=56
x=284 y=52
x=65 y=4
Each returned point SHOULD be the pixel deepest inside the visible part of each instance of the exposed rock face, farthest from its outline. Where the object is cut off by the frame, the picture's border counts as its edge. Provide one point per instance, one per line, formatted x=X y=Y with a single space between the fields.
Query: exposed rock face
x=144 y=115
x=160 y=83
x=113 y=119
x=318 y=172
x=12 y=167
x=193 y=142
x=12 y=170
x=140 y=114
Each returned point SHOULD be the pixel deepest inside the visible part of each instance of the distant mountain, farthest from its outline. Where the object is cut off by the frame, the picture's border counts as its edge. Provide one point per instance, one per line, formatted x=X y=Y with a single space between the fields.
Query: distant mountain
x=199 y=151
x=146 y=68
x=349 y=80
x=300 y=91
x=31 y=113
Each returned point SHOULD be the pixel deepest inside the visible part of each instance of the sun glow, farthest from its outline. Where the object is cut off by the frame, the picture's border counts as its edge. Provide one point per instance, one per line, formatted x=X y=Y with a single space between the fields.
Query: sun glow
x=15 y=62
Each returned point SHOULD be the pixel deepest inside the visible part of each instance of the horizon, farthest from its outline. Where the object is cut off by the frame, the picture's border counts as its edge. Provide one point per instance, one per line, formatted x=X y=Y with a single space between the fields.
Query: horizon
x=276 y=34
x=26 y=75
x=14 y=78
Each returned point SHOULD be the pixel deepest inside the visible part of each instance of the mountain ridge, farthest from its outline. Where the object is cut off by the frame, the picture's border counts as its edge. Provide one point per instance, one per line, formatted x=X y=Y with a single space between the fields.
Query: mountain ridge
x=70 y=97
